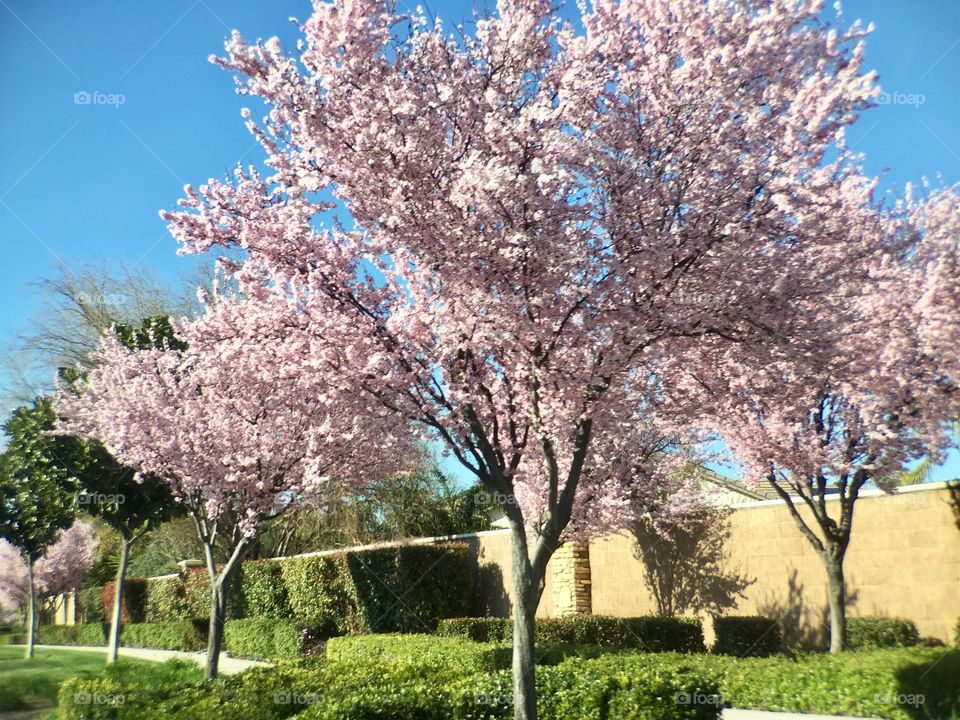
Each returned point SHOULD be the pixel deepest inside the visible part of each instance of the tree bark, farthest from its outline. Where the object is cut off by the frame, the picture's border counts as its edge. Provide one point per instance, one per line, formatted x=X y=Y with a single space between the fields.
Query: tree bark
x=218 y=606
x=115 y=618
x=836 y=588
x=31 y=610
x=526 y=596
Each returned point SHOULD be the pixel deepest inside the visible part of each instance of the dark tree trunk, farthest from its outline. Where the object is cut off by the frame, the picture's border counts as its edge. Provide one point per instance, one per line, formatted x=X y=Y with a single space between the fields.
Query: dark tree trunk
x=836 y=589
x=115 y=617
x=218 y=607
x=31 y=610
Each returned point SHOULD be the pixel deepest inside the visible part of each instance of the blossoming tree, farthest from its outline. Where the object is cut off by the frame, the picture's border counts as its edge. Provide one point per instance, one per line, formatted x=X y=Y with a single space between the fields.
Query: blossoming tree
x=543 y=219
x=878 y=389
x=242 y=421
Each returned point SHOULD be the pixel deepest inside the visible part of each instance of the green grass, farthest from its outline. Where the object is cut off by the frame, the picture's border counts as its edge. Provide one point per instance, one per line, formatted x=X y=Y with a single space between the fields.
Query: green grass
x=26 y=684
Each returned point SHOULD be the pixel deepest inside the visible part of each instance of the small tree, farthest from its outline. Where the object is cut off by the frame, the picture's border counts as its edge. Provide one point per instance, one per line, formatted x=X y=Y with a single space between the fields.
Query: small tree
x=878 y=389
x=241 y=419
x=36 y=492
x=131 y=503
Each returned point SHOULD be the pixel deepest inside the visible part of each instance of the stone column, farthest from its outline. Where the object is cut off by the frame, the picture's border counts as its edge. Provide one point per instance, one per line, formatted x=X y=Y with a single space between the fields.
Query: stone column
x=570 y=580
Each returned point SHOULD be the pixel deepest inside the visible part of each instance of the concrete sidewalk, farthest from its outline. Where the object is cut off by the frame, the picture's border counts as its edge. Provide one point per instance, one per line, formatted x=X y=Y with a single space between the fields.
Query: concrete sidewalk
x=736 y=714
x=228 y=665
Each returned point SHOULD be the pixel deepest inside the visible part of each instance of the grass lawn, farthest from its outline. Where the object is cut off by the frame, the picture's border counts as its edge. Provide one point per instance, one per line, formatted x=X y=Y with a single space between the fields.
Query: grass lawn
x=29 y=684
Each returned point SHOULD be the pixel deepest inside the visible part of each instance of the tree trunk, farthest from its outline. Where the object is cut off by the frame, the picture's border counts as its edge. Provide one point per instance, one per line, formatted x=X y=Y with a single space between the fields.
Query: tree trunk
x=114 y=643
x=218 y=607
x=31 y=610
x=526 y=595
x=836 y=589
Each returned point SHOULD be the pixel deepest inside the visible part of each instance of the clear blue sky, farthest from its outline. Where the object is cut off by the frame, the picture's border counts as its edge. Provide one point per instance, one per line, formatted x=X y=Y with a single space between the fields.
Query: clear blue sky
x=85 y=181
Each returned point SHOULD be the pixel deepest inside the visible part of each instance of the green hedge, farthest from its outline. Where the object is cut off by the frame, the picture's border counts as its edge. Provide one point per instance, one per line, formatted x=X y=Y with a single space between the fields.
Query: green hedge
x=263 y=638
x=165 y=600
x=747 y=636
x=186 y=635
x=405 y=677
x=652 y=634
x=134 y=606
x=878 y=632
x=90 y=605
x=260 y=591
x=87 y=634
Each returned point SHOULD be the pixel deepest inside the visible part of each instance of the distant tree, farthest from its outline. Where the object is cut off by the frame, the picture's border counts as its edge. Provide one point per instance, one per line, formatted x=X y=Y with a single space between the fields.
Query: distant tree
x=78 y=304
x=131 y=503
x=37 y=492
x=240 y=419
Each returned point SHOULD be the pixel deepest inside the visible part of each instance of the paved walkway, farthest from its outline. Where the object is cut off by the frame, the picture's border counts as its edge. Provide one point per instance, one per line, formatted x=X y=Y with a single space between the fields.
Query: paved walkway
x=736 y=714
x=228 y=665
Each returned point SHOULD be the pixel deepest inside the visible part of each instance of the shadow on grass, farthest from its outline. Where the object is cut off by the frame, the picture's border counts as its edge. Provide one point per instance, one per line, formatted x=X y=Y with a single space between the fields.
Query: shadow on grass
x=931 y=690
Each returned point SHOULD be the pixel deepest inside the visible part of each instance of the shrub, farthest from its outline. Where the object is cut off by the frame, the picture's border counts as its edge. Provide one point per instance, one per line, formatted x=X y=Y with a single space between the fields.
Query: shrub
x=748 y=636
x=180 y=635
x=652 y=634
x=263 y=638
x=133 y=608
x=398 y=589
x=260 y=591
x=196 y=594
x=483 y=629
x=165 y=600
x=92 y=634
x=877 y=632
x=957 y=633
x=443 y=655
x=429 y=685
x=90 y=605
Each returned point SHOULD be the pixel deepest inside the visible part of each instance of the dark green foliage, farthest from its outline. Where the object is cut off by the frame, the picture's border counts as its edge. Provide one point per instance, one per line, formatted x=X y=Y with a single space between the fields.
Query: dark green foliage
x=90 y=605
x=182 y=635
x=483 y=629
x=196 y=594
x=92 y=634
x=133 y=607
x=319 y=591
x=37 y=488
x=746 y=636
x=165 y=600
x=260 y=592
x=651 y=634
x=878 y=632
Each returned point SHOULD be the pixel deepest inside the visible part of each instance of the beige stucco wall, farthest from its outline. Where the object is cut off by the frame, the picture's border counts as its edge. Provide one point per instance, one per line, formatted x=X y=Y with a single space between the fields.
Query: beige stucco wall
x=903 y=560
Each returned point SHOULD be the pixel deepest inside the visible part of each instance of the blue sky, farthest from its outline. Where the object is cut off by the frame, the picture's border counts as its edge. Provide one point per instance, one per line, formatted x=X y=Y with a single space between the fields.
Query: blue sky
x=82 y=181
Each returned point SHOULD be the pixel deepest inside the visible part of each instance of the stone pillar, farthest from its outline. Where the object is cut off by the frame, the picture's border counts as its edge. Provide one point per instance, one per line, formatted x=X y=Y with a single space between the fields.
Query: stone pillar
x=570 y=580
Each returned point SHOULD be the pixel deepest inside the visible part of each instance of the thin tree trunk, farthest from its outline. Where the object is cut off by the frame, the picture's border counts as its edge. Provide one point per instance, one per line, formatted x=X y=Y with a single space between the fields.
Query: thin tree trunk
x=218 y=605
x=836 y=588
x=31 y=610
x=525 y=599
x=115 y=618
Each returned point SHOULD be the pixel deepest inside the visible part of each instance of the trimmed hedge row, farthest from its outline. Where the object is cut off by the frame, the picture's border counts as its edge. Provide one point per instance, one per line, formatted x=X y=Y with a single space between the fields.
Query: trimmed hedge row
x=408 y=680
x=264 y=638
x=651 y=634
x=878 y=632
x=181 y=635
x=746 y=636
x=398 y=589
x=133 y=608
